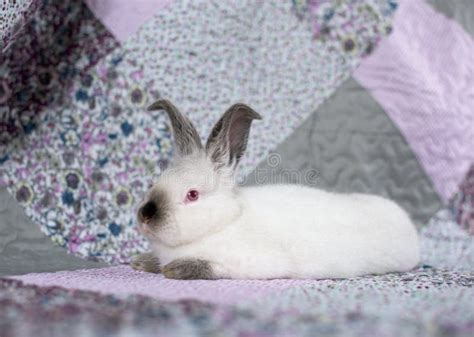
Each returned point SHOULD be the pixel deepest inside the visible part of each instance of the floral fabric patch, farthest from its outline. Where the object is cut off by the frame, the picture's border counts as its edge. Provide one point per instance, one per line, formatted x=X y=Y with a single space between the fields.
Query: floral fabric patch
x=57 y=47
x=13 y=16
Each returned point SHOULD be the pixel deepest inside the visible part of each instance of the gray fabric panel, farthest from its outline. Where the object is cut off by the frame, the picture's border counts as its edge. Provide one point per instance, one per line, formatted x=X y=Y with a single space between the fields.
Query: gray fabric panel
x=460 y=10
x=24 y=248
x=354 y=147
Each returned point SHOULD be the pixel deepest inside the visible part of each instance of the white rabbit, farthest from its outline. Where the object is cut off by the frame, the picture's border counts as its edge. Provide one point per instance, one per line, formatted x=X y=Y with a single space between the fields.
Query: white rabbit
x=202 y=226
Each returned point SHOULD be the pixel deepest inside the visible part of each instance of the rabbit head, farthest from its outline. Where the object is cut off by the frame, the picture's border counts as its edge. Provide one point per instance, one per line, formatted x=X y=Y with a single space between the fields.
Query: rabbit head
x=196 y=194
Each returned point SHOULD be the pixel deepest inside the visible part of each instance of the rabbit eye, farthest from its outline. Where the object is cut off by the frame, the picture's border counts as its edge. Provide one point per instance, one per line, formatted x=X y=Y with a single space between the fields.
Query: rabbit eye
x=192 y=195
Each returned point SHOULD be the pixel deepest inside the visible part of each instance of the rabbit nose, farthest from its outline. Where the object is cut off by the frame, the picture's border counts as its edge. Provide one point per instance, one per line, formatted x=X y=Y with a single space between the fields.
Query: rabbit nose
x=148 y=211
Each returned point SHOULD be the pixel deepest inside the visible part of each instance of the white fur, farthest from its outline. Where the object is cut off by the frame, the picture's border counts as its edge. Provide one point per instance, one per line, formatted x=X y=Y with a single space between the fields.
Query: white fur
x=279 y=231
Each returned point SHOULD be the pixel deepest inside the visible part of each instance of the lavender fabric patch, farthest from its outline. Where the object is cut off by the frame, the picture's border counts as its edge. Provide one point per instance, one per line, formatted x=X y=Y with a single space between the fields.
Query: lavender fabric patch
x=124 y=17
x=123 y=281
x=88 y=159
x=430 y=102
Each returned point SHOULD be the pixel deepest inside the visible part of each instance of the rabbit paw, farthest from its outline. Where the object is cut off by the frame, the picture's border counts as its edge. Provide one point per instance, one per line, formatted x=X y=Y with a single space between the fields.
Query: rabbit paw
x=188 y=269
x=146 y=262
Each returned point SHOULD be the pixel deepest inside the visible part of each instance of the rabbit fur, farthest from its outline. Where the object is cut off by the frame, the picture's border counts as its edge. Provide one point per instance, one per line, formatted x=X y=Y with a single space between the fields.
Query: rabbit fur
x=262 y=232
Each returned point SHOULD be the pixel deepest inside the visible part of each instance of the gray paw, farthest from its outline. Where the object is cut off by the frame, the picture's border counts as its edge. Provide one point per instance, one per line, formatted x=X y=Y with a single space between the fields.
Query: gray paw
x=188 y=269
x=146 y=262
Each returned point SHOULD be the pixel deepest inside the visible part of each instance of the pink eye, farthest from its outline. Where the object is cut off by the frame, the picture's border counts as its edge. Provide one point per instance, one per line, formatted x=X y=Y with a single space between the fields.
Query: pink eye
x=192 y=195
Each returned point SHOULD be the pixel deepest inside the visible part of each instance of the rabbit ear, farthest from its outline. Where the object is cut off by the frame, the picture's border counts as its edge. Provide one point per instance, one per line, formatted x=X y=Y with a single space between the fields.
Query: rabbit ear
x=185 y=134
x=228 y=139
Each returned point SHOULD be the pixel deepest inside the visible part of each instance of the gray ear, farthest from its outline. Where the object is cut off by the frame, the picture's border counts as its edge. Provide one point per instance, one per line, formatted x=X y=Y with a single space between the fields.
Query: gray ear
x=185 y=135
x=228 y=139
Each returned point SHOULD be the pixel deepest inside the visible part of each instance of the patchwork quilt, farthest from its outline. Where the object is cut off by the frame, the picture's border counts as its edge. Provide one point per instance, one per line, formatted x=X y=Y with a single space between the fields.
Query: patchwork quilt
x=356 y=96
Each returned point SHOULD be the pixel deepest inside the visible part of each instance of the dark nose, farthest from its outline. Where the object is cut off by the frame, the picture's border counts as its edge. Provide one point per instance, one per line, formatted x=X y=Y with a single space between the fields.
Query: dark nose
x=148 y=210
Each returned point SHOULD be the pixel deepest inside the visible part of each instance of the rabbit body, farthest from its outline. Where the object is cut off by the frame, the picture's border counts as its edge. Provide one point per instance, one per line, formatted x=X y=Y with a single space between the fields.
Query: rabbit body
x=289 y=231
